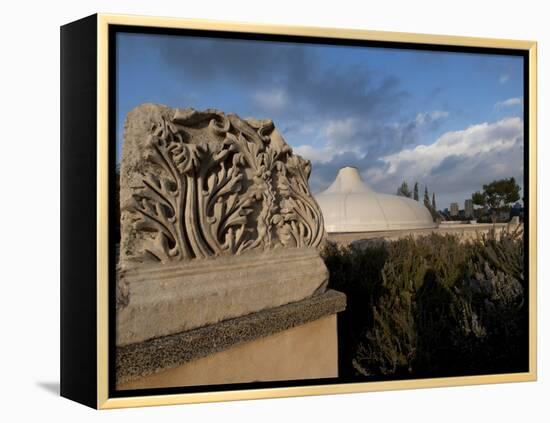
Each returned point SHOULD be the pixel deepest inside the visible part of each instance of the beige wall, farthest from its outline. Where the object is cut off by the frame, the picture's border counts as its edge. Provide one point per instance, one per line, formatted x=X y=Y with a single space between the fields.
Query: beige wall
x=464 y=232
x=309 y=351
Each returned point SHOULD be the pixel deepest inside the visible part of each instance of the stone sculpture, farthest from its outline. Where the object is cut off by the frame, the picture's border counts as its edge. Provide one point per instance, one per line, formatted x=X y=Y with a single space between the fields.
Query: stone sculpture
x=217 y=222
x=200 y=184
x=219 y=255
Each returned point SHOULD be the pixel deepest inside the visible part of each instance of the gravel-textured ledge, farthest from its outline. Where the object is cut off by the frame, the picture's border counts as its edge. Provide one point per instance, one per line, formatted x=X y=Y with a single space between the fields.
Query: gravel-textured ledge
x=145 y=358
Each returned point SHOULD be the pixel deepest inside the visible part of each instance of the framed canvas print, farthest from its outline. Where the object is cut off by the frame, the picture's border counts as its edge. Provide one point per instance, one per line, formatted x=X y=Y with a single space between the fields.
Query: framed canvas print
x=253 y=211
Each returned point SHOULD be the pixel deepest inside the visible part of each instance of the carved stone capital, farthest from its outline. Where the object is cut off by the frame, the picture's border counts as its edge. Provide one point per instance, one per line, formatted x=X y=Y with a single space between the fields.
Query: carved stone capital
x=201 y=184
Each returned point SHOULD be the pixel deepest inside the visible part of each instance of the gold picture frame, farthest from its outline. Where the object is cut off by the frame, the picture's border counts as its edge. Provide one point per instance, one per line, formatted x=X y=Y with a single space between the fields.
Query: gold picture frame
x=102 y=22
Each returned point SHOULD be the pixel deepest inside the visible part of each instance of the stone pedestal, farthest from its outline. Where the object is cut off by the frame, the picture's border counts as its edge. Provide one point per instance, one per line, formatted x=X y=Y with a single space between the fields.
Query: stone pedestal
x=309 y=351
x=290 y=342
x=219 y=276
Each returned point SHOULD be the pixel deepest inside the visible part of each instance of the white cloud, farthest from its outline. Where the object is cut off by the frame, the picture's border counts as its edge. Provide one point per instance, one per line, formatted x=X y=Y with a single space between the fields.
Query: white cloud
x=470 y=142
x=315 y=155
x=361 y=137
x=350 y=134
x=272 y=100
x=458 y=161
x=342 y=132
x=336 y=137
x=430 y=117
x=504 y=78
x=511 y=102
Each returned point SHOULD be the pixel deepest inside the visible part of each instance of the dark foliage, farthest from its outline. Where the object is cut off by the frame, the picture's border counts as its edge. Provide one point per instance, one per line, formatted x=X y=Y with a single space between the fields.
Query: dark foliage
x=498 y=196
x=431 y=306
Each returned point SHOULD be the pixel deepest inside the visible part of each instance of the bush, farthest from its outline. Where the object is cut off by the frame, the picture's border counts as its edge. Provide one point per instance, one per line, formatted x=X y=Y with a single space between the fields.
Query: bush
x=431 y=306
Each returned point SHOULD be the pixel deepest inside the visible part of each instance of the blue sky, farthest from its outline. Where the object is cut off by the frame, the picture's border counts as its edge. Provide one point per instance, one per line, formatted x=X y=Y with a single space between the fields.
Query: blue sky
x=451 y=121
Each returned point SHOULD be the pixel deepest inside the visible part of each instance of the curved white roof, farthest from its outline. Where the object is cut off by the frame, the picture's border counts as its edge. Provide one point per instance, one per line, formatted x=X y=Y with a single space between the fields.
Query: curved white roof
x=350 y=205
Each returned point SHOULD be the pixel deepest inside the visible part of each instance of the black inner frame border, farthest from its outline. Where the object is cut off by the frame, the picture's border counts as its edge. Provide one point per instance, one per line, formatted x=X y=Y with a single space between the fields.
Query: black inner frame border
x=113 y=30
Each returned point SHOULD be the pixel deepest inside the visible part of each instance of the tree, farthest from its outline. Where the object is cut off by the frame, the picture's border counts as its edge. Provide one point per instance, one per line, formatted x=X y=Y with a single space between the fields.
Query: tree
x=403 y=190
x=497 y=196
x=433 y=201
x=479 y=199
x=415 y=195
x=426 y=197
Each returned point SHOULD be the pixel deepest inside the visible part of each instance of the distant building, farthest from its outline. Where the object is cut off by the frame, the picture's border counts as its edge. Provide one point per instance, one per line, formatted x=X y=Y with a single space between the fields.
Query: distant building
x=468 y=208
x=454 y=209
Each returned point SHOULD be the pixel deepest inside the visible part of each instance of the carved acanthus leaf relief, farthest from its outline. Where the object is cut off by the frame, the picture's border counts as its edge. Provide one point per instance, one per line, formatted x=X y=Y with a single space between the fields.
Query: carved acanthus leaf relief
x=222 y=185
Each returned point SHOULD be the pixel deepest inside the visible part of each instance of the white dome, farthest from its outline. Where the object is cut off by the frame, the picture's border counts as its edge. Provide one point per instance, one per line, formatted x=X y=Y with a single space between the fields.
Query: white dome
x=350 y=205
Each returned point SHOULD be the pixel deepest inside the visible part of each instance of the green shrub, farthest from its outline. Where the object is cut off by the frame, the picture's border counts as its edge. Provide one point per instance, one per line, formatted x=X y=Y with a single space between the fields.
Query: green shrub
x=430 y=306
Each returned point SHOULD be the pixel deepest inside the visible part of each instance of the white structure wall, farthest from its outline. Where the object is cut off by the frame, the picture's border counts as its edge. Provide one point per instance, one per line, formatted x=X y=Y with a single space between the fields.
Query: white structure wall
x=350 y=205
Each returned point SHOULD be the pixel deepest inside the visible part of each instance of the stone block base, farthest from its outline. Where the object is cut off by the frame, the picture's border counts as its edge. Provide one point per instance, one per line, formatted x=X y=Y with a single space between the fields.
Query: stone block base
x=308 y=351
x=293 y=341
x=166 y=299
